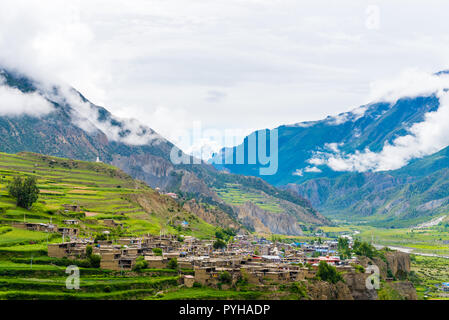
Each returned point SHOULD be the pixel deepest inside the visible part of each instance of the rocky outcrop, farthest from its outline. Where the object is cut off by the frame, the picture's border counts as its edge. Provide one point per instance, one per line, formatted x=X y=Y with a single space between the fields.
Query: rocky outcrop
x=211 y=215
x=267 y=222
x=398 y=263
x=376 y=261
x=320 y=290
x=393 y=264
x=405 y=289
x=356 y=283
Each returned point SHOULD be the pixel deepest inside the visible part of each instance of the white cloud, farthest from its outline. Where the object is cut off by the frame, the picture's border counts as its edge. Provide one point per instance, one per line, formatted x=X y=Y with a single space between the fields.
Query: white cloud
x=277 y=62
x=312 y=169
x=87 y=117
x=14 y=103
x=333 y=146
x=409 y=83
x=424 y=138
x=309 y=169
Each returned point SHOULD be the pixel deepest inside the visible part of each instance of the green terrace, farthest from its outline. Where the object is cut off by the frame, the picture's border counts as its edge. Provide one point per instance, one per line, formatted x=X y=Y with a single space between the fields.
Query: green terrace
x=235 y=194
x=98 y=190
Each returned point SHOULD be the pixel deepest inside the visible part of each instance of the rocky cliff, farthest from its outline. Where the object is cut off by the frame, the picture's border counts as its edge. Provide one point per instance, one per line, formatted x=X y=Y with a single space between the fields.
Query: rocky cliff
x=356 y=283
x=320 y=290
x=266 y=222
x=212 y=215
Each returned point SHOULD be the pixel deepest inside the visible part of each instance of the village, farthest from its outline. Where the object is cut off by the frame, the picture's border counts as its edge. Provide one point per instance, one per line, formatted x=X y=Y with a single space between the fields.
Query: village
x=256 y=259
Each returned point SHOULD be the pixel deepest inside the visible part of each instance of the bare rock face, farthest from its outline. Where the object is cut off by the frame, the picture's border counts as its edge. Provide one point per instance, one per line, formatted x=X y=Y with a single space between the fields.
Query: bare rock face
x=320 y=290
x=155 y=171
x=376 y=261
x=356 y=283
x=264 y=221
x=405 y=289
x=211 y=215
x=399 y=263
x=191 y=183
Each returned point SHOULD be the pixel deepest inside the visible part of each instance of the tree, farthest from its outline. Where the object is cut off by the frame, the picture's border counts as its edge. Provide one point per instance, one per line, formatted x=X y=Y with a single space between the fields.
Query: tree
x=328 y=273
x=363 y=249
x=219 y=244
x=25 y=191
x=343 y=248
x=89 y=251
x=173 y=263
x=219 y=234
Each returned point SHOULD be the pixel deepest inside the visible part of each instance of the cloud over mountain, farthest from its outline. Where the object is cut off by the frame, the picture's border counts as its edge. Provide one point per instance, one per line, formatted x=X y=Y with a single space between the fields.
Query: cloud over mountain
x=13 y=102
x=423 y=138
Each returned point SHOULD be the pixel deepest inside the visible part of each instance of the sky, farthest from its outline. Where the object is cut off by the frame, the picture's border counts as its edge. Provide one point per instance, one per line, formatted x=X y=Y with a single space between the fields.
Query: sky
x=236 y=65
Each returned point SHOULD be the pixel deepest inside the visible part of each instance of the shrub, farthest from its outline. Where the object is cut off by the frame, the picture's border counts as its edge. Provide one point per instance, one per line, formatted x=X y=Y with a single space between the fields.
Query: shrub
x=94 y=260
x=225 y=277
x=141 y=264
x=100 y=237
x=298 y=289
x=157 y=251
x=359 y=268
x=173 y=264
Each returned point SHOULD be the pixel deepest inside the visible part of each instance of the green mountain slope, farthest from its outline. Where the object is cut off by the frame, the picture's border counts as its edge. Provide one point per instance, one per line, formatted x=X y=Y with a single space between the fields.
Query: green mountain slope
x=80 y=130
x=100 y=191
x=410 y=195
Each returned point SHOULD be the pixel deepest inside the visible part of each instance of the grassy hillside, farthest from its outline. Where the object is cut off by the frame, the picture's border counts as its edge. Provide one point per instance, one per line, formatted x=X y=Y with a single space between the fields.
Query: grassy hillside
x=101 y=192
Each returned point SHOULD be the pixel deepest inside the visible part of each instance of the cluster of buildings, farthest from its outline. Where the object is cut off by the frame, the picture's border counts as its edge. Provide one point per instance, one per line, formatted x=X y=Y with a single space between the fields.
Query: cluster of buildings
x=256 y=260
x=49 y=227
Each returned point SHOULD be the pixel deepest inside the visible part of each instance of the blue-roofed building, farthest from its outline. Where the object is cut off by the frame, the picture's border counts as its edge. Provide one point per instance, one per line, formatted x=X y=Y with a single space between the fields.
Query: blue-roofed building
x=445 y=286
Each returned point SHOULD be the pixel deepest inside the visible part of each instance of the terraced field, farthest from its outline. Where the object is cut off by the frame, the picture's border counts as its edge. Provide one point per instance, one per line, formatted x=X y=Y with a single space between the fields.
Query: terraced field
x=89 y=193
x=234 y=195
x=99 y=190
x=34 y=280
x=430 y=272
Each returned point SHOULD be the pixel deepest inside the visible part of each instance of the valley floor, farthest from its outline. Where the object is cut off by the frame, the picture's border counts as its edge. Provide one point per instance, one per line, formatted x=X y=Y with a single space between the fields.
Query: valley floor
x=428 y=246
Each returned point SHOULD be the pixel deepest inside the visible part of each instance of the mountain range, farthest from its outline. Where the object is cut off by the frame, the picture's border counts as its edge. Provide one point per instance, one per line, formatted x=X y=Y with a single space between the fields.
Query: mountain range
x=68 y=125
x=370 y=165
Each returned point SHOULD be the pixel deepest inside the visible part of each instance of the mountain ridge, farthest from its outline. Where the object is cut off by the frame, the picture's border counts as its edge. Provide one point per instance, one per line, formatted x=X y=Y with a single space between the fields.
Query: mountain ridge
x=78 y=129
x=363 y=192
